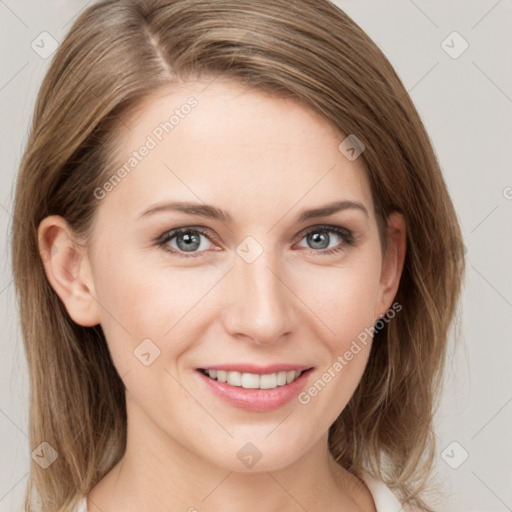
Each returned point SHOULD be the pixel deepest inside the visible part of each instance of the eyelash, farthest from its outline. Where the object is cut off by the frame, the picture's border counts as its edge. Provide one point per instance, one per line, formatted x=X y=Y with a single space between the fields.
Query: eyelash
x=345 y=234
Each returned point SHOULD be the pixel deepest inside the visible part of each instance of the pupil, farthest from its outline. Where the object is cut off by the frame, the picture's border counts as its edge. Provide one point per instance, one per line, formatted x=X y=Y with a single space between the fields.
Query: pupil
x=189 y=240
x=319 y=238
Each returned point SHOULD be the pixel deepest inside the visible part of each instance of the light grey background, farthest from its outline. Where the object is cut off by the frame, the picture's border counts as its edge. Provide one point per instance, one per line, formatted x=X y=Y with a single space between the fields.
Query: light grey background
x=466 y=105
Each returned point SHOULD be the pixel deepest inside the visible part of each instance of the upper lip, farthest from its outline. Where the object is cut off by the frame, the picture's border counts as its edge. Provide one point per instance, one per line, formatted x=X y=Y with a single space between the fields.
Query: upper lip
x=260 y=370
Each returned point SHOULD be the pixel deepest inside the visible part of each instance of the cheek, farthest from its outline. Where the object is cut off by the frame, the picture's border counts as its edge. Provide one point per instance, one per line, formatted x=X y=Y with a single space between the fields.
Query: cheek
x=139 y=301
x=343 y=298
x=348 y=312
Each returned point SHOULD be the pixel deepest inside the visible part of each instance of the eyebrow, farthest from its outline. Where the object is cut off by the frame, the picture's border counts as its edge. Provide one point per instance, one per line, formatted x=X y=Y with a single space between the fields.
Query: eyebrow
x=209 y=211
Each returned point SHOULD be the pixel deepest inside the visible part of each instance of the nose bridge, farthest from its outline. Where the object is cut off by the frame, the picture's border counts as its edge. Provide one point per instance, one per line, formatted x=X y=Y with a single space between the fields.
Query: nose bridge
x=261 y=305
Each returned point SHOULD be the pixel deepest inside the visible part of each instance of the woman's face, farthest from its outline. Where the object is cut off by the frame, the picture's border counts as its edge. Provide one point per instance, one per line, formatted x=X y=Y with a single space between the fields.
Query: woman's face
x=253 y=282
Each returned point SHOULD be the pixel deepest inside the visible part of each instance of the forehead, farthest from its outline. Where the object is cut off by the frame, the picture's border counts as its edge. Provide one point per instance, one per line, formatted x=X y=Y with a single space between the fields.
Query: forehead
x=224 y=144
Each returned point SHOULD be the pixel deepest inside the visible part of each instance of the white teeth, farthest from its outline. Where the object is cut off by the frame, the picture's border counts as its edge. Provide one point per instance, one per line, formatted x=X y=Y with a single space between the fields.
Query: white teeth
x=268 y=381
x=253 y=380
x=250 y=380
x=281 y=378
x=290 y=376
x=234 y=378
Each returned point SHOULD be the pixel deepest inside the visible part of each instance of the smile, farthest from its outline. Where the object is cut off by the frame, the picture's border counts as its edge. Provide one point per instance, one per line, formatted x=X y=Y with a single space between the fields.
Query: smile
x=255 y=392
x=254 y=380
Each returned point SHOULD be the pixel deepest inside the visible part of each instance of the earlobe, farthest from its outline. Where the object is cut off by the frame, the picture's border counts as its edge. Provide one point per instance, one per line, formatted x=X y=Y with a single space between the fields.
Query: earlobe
x=68 y=270
x=392 y=264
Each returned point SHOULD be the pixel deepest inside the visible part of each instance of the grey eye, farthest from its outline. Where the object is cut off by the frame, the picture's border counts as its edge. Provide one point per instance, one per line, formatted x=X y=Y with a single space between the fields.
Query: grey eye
x=186 y=240
x=321 y=239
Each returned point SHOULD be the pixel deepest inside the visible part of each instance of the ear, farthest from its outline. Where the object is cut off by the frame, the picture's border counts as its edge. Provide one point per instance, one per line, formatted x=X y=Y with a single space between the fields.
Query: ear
x=68 y=270
x=392 y=264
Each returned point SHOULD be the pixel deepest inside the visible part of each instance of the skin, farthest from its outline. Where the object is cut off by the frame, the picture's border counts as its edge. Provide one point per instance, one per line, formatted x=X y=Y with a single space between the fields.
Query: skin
x=263 y=160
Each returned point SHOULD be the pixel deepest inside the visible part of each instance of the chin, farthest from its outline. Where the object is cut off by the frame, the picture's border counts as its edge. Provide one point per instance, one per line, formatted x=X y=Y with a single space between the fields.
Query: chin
x=258 y=456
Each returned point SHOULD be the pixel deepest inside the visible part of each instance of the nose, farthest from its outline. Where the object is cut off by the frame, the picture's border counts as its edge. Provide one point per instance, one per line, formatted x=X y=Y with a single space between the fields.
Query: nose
x=261 y=307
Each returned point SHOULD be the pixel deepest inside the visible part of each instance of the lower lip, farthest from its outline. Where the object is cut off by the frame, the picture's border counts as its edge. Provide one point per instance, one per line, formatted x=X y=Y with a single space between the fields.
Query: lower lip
x=256 y=400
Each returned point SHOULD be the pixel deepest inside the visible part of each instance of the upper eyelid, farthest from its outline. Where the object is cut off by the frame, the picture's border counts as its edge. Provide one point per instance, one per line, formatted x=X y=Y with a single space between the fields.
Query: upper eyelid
x=172 y=233
x=324 y=227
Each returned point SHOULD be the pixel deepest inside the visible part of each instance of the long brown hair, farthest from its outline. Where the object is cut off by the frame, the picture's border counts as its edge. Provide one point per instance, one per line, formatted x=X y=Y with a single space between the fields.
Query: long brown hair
x=115 y=55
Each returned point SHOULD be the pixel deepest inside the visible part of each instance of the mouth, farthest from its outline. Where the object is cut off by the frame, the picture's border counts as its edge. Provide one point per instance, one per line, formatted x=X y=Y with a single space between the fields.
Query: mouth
x=255 y=389
x=249 y=380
